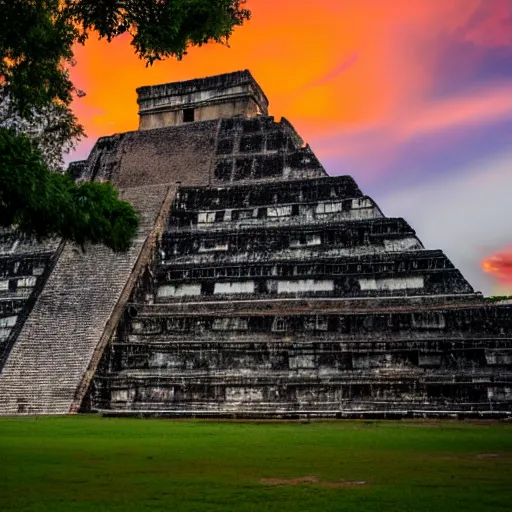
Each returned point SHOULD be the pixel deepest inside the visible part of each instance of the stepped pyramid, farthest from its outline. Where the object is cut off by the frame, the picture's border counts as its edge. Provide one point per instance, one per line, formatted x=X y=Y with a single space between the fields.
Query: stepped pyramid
x=257 y=286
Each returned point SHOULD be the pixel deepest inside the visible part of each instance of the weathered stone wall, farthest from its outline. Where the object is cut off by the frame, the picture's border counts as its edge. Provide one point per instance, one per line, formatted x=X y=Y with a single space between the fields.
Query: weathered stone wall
x=202 y=153
x=131 y=160
x=436 y=361
x=259 y=149
x=167 y=155
x=204 y=112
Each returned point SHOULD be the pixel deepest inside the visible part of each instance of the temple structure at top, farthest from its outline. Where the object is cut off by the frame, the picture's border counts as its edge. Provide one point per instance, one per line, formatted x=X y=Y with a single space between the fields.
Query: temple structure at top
x=257 y=286
x=214 y=97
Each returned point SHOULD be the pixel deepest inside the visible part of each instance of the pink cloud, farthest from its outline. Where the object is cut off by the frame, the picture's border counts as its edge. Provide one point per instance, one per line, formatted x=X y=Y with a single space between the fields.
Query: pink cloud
x=483 y=106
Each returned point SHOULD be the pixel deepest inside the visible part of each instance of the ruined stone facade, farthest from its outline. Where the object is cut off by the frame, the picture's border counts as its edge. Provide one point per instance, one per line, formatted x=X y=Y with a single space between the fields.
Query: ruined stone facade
x=258 y=286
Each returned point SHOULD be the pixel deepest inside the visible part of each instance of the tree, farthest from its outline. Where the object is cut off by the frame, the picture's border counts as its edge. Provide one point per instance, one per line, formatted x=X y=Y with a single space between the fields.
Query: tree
x=37 y=124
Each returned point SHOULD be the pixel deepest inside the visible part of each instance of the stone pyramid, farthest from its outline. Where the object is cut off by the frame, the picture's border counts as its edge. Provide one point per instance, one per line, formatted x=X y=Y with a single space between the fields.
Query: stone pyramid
x=258 y=286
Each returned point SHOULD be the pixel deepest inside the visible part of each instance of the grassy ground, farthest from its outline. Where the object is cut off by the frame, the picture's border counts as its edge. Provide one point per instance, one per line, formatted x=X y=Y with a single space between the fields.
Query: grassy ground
x=95 y=464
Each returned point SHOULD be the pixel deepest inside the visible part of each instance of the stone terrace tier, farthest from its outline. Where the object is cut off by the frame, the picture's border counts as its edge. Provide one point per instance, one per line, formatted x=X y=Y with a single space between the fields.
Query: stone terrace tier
x=293 y=239
x=419 y=357
x=261 y=149
x=276 y=242
x=408 y=273
x=288 y=202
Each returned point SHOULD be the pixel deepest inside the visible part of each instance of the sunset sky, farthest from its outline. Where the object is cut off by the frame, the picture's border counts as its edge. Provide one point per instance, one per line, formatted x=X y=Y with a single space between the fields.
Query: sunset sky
x=413 y=98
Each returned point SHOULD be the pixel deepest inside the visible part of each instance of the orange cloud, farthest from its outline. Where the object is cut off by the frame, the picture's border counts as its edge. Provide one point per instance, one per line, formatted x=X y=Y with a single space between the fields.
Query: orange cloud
x=499 y=265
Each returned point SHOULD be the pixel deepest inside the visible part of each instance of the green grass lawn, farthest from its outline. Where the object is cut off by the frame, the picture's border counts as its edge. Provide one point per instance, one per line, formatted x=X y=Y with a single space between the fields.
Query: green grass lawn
x=95 y=464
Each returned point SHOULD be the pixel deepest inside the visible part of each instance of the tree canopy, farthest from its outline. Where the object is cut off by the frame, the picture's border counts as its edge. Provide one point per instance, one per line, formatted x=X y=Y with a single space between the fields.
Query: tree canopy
x=37 y=124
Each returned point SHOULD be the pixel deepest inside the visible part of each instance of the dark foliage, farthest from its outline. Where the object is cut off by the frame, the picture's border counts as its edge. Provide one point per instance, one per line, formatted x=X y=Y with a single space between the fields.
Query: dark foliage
x=44 y=203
